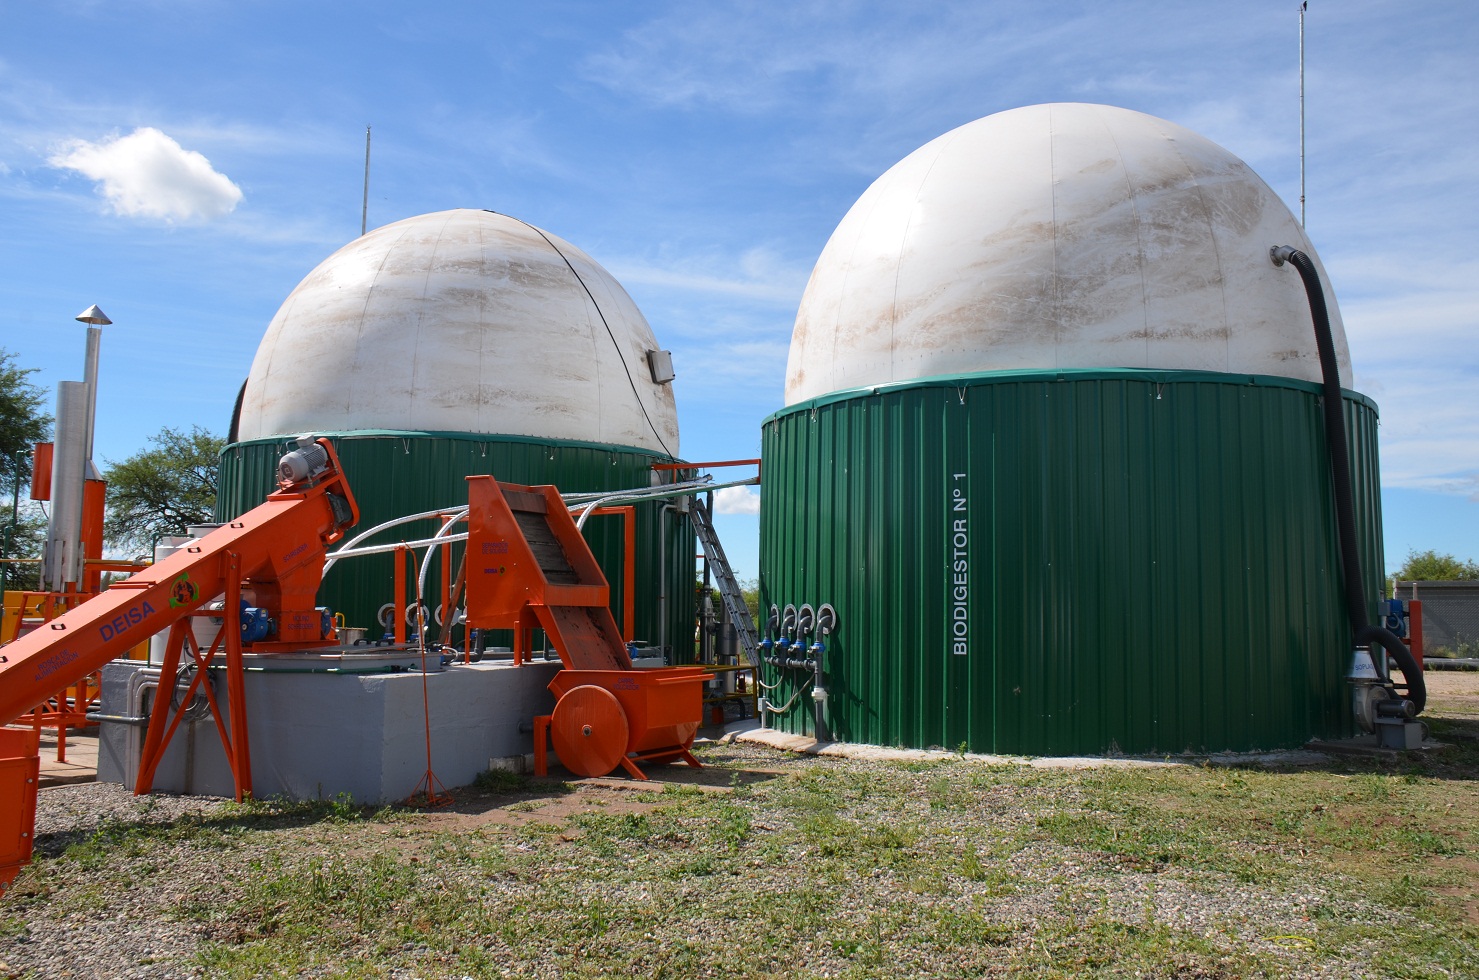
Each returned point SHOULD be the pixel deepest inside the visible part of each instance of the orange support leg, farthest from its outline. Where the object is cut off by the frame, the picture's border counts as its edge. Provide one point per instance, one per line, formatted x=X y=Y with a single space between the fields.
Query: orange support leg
x=19 y=769
x=238 y=747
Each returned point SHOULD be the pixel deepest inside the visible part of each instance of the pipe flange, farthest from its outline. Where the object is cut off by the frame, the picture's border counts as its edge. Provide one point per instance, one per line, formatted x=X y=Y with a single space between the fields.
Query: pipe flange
x=826 y=619
x=806 y=619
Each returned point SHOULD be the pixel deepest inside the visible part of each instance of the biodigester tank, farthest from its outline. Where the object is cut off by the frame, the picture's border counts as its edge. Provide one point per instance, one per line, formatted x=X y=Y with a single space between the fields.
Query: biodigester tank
x=1052 y=450
x=458 y=343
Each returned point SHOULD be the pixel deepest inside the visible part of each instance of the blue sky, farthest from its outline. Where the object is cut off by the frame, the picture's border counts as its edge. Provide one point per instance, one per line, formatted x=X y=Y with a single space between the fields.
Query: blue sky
x=183 y=163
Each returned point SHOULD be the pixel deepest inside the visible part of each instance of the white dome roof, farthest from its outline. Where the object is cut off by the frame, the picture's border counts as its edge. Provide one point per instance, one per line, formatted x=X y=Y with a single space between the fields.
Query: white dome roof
x=460 y=321
x=1056 y=237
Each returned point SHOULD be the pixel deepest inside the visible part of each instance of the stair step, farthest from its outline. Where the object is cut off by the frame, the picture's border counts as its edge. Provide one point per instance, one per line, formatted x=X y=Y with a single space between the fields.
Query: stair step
x=546 y=548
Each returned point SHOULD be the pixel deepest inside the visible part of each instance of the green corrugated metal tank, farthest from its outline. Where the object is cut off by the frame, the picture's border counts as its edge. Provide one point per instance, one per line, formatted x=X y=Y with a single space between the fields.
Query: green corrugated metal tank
x=458 y=343
x=1053 y=451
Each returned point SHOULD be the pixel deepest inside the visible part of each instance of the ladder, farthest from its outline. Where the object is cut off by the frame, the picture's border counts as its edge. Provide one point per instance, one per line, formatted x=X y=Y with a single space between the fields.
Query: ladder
x=729 y=589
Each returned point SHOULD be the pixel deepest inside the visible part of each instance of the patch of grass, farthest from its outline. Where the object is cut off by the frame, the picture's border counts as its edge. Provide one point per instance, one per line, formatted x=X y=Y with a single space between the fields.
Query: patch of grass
x=500 y=781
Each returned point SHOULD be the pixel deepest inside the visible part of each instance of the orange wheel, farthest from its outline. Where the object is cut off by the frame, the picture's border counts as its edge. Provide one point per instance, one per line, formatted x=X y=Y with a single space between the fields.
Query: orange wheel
x=589 y=730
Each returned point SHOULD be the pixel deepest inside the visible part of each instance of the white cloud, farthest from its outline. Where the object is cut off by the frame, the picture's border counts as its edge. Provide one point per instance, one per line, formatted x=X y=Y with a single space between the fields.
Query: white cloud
x=736 y=500
x=148 y=175
x=764 y=276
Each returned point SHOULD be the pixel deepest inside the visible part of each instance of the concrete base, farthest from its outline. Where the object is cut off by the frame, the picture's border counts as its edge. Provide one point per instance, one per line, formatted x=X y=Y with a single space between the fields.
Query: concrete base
x=1369 y=745
x=749 y=731
x=319 y=735
x=82 y=758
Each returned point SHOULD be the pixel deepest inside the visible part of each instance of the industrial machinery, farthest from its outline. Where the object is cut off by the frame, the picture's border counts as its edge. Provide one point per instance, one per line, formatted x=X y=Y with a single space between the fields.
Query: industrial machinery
x=527 y=567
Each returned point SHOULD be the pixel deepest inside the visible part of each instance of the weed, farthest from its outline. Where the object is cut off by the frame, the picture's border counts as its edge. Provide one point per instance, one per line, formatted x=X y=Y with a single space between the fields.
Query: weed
x=1404 y=893
x=970 y=864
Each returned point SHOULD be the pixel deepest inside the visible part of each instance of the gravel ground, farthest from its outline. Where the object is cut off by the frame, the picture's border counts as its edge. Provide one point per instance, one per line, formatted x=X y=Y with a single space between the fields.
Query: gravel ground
x=92 y=929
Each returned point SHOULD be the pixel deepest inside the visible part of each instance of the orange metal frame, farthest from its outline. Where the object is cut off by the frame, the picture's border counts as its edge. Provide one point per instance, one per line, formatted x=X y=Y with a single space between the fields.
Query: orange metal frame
x=68 y=707
x=705 y=466
x=628 y=514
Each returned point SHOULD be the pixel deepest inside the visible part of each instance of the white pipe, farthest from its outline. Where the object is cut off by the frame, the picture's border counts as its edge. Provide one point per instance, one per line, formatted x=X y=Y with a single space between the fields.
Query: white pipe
x=431 y=549
x=345 y=549
x=380 y=549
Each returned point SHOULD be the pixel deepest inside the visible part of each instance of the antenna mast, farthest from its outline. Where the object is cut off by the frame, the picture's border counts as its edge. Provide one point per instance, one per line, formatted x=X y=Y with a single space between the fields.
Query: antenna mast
x=1303 y=6
x=364 y=212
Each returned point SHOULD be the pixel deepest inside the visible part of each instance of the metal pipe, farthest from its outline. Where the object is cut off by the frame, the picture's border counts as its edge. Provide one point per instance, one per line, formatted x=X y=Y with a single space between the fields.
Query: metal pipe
x=90 y=372
x=380 y=549
x=120 y=719
x=437 y=540
x=393 y=522
x=655 y=491
x=62 y=558
x=668 y=492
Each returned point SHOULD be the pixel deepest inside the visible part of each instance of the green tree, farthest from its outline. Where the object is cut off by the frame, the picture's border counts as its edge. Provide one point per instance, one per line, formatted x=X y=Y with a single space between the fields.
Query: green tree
x=1430 y=566
x=22 y=425
x=22 y=422
x=163 y=489
x=24 y=540
x=750 y=589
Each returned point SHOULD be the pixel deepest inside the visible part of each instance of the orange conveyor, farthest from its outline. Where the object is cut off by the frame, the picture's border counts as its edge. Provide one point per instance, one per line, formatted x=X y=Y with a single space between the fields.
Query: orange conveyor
x=528 y=565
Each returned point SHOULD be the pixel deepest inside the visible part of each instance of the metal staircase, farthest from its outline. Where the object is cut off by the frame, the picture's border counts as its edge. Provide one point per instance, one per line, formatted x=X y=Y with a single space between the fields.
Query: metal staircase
x=729 y=589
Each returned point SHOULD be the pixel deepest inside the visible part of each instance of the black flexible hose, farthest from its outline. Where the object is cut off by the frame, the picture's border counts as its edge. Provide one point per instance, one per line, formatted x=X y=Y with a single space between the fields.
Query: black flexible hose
x=1340 y=474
